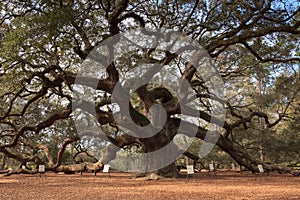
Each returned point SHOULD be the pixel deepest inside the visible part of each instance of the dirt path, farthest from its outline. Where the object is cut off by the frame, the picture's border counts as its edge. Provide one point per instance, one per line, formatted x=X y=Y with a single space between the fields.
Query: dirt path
x=122 y=186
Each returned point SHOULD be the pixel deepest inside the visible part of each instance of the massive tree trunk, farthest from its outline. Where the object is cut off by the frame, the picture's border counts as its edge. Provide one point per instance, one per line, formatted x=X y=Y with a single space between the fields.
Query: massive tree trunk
x=160 y=155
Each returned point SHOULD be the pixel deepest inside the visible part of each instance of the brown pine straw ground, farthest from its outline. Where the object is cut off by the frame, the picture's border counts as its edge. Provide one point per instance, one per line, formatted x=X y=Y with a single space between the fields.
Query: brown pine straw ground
x=226 y=185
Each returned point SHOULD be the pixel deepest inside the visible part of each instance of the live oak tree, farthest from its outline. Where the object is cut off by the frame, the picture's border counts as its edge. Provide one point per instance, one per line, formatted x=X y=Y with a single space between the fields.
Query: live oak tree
x=43 y=44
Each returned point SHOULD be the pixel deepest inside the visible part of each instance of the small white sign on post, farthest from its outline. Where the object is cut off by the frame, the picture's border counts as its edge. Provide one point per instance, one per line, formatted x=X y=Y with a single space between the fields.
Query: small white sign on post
x=232 y=166
x=211 y=167
x=106 y=169
x=260 y=168
x=260 y=171
x=41 y=168
x=190 y=169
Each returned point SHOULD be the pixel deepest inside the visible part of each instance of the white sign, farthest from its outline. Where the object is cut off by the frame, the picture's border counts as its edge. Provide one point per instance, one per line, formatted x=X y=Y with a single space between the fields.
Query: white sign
x=41 y=168
x=190 y=169
x=211 y=167
x=260 y=168
x=106 y=168
x=232 y=166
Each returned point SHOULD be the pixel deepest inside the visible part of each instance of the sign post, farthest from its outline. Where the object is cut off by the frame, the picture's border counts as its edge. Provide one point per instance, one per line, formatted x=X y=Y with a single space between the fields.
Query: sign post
x=211 y=169
x=106 y=169
x=260 y=171
x=41 y=170
x=190 y=171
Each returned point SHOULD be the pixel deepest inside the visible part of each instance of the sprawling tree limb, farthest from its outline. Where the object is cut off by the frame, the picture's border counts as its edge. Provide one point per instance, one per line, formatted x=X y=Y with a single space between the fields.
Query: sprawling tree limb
x=233 y=149
x=48 y=122
x=44 y=55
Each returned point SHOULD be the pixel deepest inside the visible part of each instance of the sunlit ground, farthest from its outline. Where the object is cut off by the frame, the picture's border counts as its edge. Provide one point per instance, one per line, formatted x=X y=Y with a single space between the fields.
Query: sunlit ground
x=226 y=185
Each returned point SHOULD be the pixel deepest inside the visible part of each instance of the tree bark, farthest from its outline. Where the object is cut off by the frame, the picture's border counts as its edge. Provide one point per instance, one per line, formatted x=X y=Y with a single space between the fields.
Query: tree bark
x=160 y=162
x=82 y=167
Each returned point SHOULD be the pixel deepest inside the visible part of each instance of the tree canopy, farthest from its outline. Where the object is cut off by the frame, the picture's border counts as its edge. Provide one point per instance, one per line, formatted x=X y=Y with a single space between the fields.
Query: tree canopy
x=46 y=43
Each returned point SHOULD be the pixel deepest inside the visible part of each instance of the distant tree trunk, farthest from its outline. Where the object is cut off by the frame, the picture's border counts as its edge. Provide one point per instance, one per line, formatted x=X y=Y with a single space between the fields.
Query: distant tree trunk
x=3 y=161
x=72 y=153
x=261 y=142
x=261 y=123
